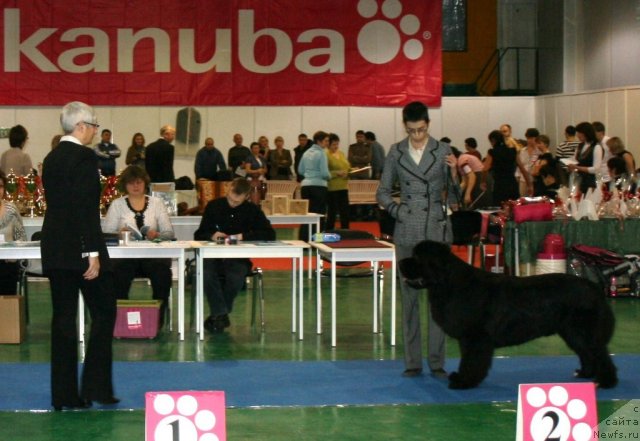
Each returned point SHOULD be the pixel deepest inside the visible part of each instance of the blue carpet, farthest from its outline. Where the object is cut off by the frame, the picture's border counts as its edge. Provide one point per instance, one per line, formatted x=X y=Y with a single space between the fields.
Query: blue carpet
x=325 y=383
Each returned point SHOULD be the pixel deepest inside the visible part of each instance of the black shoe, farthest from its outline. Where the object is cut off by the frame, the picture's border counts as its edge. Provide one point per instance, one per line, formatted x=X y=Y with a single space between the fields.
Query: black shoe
x=223 y=320
x=439 y=373
x=410 y=373
x=217 y=324
x=76 y=405
x=108 y=401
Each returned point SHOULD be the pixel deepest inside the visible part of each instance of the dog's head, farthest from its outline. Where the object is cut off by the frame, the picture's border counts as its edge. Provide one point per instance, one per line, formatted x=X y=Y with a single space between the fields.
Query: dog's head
x=427 y=264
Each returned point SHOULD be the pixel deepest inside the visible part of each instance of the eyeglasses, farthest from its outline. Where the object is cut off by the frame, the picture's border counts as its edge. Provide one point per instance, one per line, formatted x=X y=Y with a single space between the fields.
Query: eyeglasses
x=418 y=131
x=91 y=124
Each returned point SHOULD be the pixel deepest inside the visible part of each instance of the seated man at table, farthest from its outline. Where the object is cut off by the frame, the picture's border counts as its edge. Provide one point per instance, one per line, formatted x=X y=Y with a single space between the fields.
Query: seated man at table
x=232 y=215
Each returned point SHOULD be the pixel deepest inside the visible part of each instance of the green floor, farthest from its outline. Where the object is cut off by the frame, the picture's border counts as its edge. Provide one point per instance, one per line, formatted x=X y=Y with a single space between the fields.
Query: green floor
x=355 y=341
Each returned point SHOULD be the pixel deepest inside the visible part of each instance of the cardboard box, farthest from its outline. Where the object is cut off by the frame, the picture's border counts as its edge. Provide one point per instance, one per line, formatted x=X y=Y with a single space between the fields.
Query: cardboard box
x=12 y=319
x=137 y=319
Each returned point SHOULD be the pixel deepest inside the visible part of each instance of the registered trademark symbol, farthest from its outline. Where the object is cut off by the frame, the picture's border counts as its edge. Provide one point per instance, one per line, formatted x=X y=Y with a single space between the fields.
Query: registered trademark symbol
x=426 y=35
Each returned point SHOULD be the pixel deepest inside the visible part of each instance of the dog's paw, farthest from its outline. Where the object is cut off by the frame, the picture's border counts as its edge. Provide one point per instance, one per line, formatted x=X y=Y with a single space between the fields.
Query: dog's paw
x=581 y=373
x=456 y=381
x=607 y=383
x=416 y=283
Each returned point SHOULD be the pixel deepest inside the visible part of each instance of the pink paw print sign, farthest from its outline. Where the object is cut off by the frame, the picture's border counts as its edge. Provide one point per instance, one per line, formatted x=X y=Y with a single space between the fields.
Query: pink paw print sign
x=557 y=412
x=185 y=416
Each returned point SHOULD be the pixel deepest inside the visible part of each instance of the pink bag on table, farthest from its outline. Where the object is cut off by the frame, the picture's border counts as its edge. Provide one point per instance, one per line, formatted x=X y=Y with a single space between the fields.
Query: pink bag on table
x=537 y=211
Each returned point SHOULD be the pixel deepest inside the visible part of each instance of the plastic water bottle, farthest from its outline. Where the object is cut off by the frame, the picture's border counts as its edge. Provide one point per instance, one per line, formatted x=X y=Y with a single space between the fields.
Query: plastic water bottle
x=326 y=237
x=613 y=286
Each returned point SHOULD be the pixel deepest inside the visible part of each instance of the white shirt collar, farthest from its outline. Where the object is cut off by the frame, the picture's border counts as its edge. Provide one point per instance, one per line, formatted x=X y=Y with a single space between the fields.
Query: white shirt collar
x=71 y=138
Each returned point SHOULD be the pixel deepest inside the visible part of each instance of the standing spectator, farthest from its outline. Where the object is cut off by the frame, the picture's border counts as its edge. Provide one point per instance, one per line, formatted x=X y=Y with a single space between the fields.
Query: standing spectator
x=304 y=143
x=589 y=156
x=471 y=147
x=602 y=138
x=567 y=149
x=223 y=278
x=617 y=148
x=147 y=218
x=11 y=229
x=377 y=152
x=502 y=162
x=552 y=168
x=55 y=141
x=107 y=152
x=423 y=167
x=337 y=187
x=15 y=158
x=255 y=167
x=470 y=171
x=360 y=155
x=509 y=140
x=159 y=156
x=315 y=169
x=209 y=162
x=264 y=146
x=135 y=152
x=75 y=258
x=237 y=155
x=280 y=161
x=528 y=155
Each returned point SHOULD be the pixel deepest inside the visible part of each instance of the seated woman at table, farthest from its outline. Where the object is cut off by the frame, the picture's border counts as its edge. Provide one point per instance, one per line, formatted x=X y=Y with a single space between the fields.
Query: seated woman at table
x=11 y=229
x=147 y=218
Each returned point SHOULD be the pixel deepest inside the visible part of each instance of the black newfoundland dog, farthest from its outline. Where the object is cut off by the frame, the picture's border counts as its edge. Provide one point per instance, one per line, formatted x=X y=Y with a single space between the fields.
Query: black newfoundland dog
x=483 y=311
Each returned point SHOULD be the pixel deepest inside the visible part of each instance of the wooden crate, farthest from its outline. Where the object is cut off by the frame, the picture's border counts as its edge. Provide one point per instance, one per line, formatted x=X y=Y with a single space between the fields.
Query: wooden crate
x=298 y=206
x=267 y=206
x=280 y=204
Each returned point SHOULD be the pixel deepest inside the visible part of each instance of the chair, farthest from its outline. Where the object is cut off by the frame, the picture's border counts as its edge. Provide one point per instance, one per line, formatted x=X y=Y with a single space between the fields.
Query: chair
x=257 y=291
x=467 y=227
x=26 y=271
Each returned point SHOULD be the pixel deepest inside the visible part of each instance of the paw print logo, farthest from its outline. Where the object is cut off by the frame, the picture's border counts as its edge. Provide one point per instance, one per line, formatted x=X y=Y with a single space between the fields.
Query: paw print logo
x=557 y=417
x=379 y=41
x=183 y=419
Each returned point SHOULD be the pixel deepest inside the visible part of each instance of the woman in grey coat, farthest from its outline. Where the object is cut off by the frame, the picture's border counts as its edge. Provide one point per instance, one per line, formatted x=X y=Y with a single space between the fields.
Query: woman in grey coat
x=425 y=169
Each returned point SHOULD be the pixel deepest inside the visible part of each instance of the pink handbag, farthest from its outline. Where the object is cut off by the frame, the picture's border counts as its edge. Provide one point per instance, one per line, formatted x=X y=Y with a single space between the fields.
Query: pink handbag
x=537 y=211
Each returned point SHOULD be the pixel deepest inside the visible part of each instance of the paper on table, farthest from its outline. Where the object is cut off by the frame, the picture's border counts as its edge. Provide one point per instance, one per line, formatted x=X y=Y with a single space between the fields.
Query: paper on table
x=358 y=170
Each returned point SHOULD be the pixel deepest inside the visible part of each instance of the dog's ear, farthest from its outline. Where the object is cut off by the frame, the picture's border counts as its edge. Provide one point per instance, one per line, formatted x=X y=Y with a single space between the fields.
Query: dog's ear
x=409 y=268
x=430 y=250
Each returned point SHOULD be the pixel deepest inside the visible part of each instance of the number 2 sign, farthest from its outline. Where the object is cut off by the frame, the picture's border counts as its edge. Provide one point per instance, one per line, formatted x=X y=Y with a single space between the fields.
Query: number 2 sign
x=185 y=416
x=556 y=412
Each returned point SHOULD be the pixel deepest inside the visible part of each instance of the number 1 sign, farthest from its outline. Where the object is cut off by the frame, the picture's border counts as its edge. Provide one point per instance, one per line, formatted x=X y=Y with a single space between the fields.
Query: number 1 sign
x=556 y=412
x=185 y=416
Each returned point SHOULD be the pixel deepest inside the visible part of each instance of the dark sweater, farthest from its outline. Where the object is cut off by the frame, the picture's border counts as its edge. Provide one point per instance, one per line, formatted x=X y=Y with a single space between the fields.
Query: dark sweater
x=246 y=219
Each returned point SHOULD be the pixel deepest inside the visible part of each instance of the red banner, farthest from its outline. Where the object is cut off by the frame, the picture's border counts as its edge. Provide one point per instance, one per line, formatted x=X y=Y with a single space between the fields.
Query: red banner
x=221 y=52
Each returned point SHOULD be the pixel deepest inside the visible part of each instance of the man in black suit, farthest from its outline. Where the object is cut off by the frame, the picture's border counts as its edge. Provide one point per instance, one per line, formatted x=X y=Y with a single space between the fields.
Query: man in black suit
x=75 y=258
x=159 y=156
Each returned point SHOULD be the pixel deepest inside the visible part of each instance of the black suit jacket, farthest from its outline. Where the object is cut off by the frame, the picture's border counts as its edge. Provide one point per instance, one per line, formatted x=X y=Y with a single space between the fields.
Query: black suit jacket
x=159 y=161
x=71 y=224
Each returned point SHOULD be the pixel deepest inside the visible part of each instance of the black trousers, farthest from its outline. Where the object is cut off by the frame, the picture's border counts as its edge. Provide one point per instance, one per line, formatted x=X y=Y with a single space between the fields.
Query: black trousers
x=337 y=203
x=222 y=280
x=157 y=270
x=97 y=373
x=317 y=197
